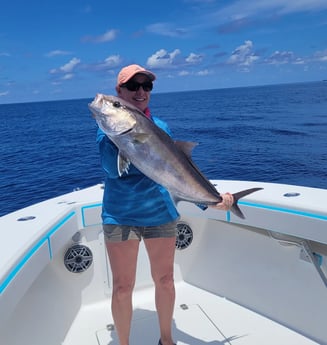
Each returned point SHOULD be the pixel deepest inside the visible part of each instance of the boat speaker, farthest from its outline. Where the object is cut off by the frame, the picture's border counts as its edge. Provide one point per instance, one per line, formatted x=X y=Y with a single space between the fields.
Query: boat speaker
x=78 y=258
x=184 y=236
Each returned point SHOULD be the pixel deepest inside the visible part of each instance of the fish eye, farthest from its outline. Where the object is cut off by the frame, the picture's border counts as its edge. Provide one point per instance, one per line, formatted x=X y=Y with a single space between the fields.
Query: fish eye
x=116 y=104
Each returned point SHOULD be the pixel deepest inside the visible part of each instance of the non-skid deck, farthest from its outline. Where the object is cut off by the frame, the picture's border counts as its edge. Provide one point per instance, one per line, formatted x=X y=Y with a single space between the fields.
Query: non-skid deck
x=200 y=318
x=191 y=326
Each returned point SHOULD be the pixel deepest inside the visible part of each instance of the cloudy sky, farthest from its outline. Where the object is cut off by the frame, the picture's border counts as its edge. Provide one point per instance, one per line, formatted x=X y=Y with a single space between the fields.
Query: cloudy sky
x=70 y=49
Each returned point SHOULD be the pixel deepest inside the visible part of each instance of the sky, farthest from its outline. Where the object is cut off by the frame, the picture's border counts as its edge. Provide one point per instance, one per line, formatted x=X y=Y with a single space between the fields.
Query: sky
x=71 y=49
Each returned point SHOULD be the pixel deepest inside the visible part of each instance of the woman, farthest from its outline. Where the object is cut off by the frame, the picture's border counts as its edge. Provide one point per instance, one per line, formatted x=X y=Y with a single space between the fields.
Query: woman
x=135 y=208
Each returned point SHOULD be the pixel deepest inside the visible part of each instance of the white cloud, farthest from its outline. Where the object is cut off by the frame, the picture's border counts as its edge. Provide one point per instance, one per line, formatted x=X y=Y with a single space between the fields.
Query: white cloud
x=243 y=55
x=284 y=57
x=280 y=58
x=109 y=35
x=321 y=56
x=4 y=93
x=183 y=73
x=299 y=61
x=112 y=61
x=194 y=58
x=68 y=67
x=203 y=73
x=68 y=76
x=57 y=53
x=300 y=6
x=163 y=59
x=243 y=8
x=165 y=29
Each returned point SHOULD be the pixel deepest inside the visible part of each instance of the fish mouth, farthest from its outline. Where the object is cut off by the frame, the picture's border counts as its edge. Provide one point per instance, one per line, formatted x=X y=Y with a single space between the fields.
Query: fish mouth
x=127 y=131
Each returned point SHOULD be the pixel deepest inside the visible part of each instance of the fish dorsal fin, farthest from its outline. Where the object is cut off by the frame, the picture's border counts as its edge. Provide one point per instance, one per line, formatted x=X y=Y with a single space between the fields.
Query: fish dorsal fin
x=122 y=164
x=186 y=147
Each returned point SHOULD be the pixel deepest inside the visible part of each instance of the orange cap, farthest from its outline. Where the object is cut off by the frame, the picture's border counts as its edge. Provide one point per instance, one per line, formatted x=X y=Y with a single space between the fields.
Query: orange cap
x=128 y=72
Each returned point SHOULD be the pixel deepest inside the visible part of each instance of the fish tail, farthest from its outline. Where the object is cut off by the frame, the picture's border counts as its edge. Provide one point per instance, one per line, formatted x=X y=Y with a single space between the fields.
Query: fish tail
x=235 y=209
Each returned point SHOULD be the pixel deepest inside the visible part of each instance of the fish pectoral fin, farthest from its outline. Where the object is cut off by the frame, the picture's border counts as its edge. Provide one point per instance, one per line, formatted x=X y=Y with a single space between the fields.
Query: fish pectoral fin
x=122 y=164
x=141 y=138
x=186 y=146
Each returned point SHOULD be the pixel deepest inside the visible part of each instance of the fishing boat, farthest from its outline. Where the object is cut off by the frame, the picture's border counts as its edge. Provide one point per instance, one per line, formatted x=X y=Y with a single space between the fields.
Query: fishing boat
x=258 y=280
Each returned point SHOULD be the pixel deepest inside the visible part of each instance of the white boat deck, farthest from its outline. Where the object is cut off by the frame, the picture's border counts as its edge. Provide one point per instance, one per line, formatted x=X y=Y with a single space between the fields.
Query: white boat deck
x=199 y=318
x=274 y=262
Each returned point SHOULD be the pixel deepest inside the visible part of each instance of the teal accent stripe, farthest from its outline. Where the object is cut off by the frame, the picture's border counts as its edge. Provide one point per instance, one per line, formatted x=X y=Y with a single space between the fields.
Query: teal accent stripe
x=46 y=238
x=228 y=216
x=284 y=210
x=18 y=267
x=50 y=249
x=85 y=207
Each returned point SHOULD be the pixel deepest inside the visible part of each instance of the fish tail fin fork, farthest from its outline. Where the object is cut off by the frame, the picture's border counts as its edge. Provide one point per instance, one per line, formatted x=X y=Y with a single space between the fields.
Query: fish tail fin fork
x=235 y=209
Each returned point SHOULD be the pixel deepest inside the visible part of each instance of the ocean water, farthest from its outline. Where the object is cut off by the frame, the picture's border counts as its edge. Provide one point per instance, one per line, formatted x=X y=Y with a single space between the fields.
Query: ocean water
x=268 y=133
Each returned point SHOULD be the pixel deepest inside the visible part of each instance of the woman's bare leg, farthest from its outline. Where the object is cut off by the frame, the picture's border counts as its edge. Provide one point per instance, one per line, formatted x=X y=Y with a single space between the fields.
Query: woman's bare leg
x=161 y=253
x=123 y=259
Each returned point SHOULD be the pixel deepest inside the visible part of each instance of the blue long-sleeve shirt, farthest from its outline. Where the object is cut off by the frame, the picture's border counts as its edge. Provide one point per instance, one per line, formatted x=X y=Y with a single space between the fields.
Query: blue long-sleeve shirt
x=133 y=198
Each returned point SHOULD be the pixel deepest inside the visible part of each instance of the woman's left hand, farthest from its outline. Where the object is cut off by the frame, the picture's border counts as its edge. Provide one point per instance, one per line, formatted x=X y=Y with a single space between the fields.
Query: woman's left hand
x=225 y=204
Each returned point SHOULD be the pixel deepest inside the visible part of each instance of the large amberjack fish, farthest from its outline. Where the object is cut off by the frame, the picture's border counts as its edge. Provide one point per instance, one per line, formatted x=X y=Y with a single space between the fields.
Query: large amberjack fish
x=155 y=153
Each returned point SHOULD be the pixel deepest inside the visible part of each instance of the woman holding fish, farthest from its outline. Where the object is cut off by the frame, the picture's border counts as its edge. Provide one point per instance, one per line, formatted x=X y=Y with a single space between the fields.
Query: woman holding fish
x=134 y=208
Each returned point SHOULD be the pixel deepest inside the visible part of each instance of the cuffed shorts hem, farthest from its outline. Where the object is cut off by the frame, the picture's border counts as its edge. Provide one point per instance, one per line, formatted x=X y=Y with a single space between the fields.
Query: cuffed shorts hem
x=118 y=233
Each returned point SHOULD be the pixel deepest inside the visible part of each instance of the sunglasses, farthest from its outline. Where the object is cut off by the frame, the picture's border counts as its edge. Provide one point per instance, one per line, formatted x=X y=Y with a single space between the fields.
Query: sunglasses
x=135 y=86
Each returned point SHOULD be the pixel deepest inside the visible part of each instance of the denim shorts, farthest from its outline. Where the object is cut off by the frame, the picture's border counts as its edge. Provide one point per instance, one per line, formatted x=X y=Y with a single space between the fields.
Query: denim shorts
x=118 y=233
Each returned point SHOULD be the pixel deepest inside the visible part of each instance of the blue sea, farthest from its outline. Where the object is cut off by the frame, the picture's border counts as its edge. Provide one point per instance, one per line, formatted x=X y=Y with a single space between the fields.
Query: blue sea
x=266 y=133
